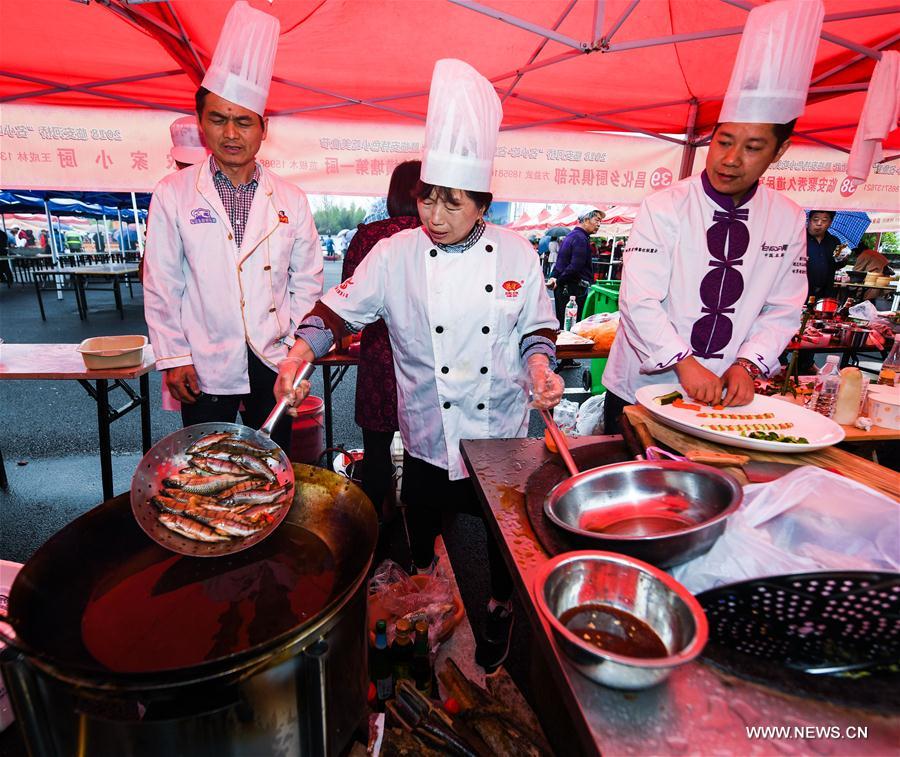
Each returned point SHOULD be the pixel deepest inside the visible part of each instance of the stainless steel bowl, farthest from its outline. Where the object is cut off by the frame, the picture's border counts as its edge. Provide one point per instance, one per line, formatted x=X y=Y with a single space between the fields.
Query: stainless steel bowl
x=663 y=511
x=573 y=579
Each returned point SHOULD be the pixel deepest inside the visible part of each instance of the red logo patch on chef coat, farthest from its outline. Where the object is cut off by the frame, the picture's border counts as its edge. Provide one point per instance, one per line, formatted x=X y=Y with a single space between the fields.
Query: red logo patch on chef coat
x=282 y=217
x=341 y=289
x=512 y=288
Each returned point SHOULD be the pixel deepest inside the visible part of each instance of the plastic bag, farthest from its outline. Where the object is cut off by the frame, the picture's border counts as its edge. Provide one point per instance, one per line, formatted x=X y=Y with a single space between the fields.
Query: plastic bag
x=808 y=520
x=589 y=420
x=600 y=328
x=394 y=594
x=565 y=415
x=864 y=311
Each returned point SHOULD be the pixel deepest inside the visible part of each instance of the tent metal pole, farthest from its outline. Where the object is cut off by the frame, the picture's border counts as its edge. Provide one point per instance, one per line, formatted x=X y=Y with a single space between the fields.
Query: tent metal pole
x=537 y=51
x=854 y=60
x=618 y=22
x=521 y=23
x=855 y=87
x=833 y=146
x=535 y=66
x=86 y=90
x=53 y=250
x=690 y=149
x=137 y=223
x=599 y=16
x=828 y=36
x=123 y=236
x=348 y=100
x=93 y=84
x=106 y=233
x=637 y=44
x=186 y=39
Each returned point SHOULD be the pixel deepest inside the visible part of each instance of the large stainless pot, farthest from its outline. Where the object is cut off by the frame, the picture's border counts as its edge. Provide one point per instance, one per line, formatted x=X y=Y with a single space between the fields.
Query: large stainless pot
x=300 y=690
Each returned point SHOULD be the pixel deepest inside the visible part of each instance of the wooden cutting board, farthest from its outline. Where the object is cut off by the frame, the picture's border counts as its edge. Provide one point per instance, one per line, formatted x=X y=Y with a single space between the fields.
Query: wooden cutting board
x=865 y=471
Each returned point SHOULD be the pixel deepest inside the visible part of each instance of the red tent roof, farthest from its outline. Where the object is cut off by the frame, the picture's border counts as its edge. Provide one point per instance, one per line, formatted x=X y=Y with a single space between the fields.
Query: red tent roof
x=650 y=64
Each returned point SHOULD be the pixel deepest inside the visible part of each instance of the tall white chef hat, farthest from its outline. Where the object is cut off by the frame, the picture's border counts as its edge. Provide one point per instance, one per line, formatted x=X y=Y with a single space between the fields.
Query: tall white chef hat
x=770 y=79
x=241 y=68
x=461 y=128
x=187 y=142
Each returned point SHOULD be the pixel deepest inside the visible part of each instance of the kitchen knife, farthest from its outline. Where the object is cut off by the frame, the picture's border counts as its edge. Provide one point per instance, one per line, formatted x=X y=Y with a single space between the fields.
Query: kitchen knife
x=757 y=471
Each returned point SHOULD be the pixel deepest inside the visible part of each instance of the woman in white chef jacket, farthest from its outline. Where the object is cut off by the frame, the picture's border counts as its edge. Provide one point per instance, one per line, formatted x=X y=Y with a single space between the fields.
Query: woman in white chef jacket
x=471 y=327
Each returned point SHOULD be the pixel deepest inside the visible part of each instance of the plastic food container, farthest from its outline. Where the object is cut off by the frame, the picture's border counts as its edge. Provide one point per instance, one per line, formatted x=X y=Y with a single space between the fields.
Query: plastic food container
x=884 y=406
x=103 y=352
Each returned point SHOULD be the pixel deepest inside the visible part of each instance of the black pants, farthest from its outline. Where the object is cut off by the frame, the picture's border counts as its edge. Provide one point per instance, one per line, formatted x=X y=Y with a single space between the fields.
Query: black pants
x=561 y=297
x=223 y=408
x=377 y=467
x=429 y=495
x=613 y=407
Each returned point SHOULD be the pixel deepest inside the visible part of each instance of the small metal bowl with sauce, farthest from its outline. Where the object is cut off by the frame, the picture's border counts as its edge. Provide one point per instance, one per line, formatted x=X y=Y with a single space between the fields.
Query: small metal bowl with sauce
x=663 y=511
x=621 y=622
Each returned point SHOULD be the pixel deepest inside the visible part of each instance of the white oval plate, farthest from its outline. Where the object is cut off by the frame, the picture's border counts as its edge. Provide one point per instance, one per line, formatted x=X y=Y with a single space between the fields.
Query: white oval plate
x=820 y=431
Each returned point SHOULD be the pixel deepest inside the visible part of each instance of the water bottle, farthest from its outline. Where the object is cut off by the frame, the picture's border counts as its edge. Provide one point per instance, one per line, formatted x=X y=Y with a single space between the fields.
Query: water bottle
x=571 y=314
x=828 y=381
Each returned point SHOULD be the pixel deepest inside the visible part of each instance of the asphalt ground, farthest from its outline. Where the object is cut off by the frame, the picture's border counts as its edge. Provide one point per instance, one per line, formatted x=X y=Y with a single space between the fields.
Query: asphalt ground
x=48 y=437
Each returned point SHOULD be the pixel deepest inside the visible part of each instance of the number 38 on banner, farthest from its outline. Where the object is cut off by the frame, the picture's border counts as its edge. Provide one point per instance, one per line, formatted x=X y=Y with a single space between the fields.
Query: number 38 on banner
x=848 y=187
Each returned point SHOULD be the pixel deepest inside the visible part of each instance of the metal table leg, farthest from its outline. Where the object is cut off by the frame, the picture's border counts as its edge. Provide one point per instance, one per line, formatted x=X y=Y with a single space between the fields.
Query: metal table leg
x=4 y=481
x=146 y=441
x=103 y=421
x=329 y=432
x=40 y=299
x=80 y=297
x=117 y=292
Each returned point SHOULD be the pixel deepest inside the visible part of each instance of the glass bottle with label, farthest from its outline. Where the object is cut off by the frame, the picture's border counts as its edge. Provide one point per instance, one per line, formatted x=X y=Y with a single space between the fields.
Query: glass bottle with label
x=402 y=651
x=380 y=669
x=421 y=662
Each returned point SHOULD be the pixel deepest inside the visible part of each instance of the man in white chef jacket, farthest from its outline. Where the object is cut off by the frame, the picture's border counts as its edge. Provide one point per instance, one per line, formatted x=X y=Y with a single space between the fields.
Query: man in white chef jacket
x=471 y=327
x=233 y=258
x=715 y=267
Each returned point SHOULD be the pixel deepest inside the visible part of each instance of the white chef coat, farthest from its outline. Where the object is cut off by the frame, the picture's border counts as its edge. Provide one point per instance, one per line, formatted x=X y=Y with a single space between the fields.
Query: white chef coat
x=455 y=321
x=205 y=299
x=667 y=259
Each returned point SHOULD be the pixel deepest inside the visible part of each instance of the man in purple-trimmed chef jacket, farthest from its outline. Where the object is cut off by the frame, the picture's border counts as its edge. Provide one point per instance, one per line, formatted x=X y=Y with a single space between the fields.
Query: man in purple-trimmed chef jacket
x=715 y=267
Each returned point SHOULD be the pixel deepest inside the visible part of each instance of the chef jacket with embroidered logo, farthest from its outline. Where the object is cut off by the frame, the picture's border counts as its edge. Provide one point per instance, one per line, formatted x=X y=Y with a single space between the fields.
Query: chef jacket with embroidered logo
x=206 y=298
x=705 y=278
x=455 y=322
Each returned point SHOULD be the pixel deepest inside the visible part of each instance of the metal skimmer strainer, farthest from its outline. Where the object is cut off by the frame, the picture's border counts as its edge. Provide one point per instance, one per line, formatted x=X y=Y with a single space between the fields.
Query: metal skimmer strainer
x=832 y=634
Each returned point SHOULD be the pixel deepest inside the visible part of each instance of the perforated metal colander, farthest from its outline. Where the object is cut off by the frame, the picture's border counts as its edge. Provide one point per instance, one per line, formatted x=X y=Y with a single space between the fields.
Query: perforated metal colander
x=816 y=624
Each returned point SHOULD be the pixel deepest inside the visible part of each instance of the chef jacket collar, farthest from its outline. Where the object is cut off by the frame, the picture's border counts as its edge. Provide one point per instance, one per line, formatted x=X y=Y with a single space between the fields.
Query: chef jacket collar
x=215 y=171
x=726 y=202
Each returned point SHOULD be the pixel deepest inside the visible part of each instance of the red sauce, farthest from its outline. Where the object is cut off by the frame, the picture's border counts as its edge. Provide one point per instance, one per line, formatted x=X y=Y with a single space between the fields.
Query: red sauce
x=613 y=630
x=174 y=612
x=640 y=518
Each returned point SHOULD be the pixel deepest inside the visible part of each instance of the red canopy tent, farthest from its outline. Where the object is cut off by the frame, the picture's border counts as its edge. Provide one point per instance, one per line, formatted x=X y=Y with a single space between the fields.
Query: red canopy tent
x=658 y=67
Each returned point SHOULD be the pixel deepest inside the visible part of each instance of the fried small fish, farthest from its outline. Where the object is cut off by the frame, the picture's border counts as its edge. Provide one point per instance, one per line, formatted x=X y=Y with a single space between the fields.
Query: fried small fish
x=203 y=484
x=257 y=512
x=190 y=528
x=215 y=465
x=207 y=441
x=254 y=496
x=237 y=446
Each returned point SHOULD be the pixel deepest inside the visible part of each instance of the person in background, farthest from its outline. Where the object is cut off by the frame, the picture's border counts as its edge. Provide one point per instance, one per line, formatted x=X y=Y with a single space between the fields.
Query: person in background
x=572 y=273
x=5 y=267
x=232 y=259
x=714 y=277
x=471 y=328
x=552 y=254
x=871 y=261
x=329 y=245
x=821 y=263
x=376 y=385
x=21 y=237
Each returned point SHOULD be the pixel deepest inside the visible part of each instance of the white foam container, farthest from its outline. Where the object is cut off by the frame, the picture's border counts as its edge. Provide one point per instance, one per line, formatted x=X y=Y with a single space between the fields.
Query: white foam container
x=103 y=352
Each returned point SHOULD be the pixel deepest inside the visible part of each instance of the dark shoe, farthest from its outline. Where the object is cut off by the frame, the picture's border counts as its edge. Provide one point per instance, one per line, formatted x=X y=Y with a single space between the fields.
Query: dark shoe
x=492 y=648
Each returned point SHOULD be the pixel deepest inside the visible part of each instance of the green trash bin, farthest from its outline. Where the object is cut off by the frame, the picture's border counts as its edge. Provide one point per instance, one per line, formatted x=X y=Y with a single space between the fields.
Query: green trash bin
x=602 y=297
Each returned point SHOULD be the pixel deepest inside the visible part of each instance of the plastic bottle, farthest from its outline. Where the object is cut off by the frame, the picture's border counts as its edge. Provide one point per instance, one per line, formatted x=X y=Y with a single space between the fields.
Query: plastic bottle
x=571 y=314
x=828 y=381
x=380 y=669
x=890 y=370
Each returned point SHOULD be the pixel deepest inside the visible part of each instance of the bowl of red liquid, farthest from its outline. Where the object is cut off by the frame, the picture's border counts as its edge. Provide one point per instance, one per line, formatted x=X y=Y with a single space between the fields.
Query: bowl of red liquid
x=621 y=622
x=665 y=512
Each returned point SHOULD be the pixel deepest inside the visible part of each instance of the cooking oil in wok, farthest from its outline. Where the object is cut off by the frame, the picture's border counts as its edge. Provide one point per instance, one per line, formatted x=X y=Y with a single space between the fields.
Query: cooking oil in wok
x=613 y=630
x=160 y=611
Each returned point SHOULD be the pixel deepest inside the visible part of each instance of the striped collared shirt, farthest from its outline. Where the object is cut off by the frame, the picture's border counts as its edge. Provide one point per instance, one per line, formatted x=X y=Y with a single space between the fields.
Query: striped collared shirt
x=236 y=199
